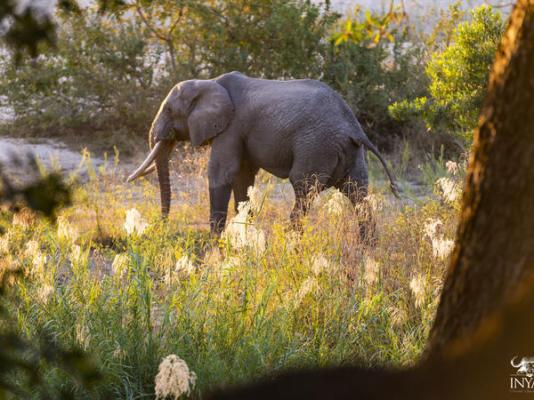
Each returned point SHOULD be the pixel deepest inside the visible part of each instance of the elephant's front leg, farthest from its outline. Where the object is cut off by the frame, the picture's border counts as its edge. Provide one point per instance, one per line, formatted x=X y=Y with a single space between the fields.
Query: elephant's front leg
x=223 y=167
x=243 y=180
x=219 y=199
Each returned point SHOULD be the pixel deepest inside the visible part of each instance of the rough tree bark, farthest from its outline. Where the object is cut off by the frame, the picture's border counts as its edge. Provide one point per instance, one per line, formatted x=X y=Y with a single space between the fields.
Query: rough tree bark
x=485 y=314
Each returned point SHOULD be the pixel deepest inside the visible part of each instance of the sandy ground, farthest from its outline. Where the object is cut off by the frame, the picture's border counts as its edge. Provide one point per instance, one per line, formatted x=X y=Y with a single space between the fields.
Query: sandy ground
x=48 y=151
x=52 y=154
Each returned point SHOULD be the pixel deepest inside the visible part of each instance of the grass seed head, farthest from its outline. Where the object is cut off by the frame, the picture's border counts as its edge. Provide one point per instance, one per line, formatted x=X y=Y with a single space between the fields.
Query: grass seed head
x=66 y=232
x=134 y=223
x=174 y=378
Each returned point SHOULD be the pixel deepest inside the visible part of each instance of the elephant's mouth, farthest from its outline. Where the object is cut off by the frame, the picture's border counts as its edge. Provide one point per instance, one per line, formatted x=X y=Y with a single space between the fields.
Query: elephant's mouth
x=161 y=149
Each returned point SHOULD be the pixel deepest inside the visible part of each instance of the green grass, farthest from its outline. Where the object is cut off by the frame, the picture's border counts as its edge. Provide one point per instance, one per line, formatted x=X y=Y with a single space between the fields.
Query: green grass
x=316 y=299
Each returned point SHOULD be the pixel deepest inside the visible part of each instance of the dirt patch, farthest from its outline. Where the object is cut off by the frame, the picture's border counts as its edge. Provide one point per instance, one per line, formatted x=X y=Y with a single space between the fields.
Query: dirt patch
x=51 y=154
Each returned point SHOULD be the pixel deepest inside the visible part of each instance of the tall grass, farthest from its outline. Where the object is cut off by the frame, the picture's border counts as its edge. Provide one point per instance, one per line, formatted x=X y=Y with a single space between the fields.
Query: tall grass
x=233 y=310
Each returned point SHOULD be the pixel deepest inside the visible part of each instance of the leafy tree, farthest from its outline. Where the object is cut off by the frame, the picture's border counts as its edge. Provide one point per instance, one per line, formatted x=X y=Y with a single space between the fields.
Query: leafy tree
x=269 y=38
x=109 y=71
x=370 y=65
x=100 y=77
x=458 y=78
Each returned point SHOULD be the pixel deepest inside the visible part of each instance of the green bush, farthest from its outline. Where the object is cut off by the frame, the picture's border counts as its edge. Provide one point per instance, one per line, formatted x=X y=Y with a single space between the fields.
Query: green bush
x=458 y=78
x=109 y=72
x=371 y=63
x=266 y=38
x=99 y=78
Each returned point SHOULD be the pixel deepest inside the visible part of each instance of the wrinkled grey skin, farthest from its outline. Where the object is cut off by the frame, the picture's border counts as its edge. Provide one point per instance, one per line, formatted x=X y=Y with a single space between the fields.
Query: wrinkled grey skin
x=296 y=129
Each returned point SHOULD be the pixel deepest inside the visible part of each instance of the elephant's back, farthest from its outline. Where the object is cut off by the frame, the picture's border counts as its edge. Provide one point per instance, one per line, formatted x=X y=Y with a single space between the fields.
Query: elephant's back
x=293 y=105
x=281 y=119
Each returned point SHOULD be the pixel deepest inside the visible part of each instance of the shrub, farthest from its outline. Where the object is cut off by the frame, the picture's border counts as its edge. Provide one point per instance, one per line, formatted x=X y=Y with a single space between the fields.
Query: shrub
x=372 y=64
x=458 y=78
x=101 y=77
x=267 y=38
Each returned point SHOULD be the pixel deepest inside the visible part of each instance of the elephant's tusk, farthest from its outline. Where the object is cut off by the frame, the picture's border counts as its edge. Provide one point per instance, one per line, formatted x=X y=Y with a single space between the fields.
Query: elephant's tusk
x=142 y=170
x=149 y=170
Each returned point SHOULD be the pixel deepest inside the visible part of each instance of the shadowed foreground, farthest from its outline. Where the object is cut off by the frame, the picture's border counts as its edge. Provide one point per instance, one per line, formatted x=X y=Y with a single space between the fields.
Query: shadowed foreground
x=476 y=368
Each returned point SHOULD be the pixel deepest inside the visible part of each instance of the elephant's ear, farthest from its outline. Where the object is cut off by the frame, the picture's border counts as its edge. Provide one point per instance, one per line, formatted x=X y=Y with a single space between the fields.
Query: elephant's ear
x=211 y=111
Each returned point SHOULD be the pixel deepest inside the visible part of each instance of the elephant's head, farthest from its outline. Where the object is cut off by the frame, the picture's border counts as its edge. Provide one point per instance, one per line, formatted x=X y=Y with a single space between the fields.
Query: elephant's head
x=196 y=110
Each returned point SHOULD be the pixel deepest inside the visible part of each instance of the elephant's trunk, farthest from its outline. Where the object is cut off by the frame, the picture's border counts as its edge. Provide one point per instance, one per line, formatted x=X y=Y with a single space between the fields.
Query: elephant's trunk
x=160 y=157
x=162 y=167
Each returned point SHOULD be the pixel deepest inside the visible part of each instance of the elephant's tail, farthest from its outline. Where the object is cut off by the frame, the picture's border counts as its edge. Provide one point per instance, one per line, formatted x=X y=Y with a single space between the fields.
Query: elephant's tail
x=364 y=140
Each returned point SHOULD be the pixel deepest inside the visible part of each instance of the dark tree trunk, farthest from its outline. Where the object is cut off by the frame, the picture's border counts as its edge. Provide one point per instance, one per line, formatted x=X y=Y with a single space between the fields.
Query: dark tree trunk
x=485 y=315
x=495 y=243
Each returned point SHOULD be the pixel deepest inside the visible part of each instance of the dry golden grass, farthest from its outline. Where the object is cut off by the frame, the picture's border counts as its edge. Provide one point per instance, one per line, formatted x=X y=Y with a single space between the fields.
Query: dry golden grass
x=233 y=309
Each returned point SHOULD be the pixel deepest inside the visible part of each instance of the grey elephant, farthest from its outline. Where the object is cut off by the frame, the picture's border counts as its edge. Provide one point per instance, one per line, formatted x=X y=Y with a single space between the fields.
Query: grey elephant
x=297 y=129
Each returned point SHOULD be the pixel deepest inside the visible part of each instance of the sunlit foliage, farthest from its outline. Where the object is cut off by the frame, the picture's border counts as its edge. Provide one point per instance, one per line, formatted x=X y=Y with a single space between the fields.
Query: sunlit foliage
x=458 y=77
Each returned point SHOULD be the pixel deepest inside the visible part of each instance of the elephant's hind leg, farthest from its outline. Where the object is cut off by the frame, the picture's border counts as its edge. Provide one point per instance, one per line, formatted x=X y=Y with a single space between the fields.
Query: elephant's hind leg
x=357 y=195
x=311 y=172
x=306 y=188
x=355 y=187
x=243 y=180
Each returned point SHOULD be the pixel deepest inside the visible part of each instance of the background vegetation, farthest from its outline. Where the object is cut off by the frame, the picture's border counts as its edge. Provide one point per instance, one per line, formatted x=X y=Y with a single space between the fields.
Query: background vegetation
x=110 y=68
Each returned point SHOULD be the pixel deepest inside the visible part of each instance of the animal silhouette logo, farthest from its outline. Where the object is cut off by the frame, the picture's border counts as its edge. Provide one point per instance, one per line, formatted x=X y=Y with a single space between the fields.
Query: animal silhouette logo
x=525 y=366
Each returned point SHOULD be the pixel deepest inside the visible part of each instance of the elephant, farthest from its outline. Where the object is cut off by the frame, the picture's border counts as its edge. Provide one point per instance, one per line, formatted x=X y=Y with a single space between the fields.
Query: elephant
x=299 y=129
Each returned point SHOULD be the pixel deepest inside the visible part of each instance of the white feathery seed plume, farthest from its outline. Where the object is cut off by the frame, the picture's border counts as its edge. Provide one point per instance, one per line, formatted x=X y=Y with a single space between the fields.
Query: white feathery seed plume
x=33 y=252
x=309 y=286
x=441 y=247
x=4 y=243
x=255 y=198
x=134 y=223
x=320 y=263
x=120 y=264
x=417 y=286
x=44 y=293
x=174 y=378
x=243 y=234
x=336 y=204
x=452 y=167
x=449 y=190
x=184 y=264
